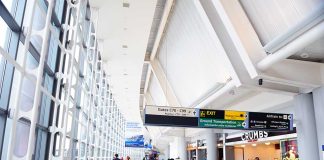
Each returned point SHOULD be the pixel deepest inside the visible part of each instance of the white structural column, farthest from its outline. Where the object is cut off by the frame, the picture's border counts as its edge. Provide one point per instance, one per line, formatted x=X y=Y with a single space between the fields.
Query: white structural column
x=182 y=147
x=306 y=128
x=318 y=98
x=211 y=145
x=167 y=152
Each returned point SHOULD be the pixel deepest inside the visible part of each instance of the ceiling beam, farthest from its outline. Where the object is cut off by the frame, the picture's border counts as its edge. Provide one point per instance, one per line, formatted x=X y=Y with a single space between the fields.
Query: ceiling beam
x=244 y=50
x=147 y=78
x=223 y=55
x=307 y=38
x=293 y=72
x=162 y=27
x=164 y=83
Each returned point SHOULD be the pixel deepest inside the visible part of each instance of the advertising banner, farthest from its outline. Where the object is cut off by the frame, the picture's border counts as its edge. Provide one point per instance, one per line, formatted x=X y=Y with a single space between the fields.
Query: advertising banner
x=289 y=149
x=135 y=141
x=134 y=136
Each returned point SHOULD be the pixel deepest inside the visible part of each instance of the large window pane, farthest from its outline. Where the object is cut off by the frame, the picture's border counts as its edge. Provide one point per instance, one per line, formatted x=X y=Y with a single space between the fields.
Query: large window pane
x=8 y=42
x=15 y=8
x=40 y=145
x=59 y=5
x=38 y=24
x=3 y=44
x=21 y=142
x=28 y=86
x=52 y=49
x=8 y=4
x=4 y=33
x=44 y=109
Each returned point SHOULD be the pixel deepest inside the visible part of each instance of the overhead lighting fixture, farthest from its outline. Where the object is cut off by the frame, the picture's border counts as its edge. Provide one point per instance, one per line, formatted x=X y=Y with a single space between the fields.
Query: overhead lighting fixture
x=267 y=143
x=126 y=4
x=242 y=145
x=254 y=144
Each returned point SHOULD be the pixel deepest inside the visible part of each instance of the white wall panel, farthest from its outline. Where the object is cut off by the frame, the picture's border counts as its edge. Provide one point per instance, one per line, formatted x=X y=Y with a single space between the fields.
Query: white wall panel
x=271 y=18
x=189 y=55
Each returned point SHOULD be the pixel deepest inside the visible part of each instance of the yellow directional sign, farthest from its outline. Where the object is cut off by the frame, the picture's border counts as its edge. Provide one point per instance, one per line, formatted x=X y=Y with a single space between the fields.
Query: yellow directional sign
x=235 y=115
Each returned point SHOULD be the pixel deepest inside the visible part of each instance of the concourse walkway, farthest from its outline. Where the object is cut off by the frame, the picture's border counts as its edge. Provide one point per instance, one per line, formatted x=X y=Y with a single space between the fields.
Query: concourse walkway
x=161 y=80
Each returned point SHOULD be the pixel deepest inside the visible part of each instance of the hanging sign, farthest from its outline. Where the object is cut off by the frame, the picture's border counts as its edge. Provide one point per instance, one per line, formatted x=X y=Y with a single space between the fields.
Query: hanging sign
x=171 y=116
x=222 y=119
x=271 y=121
x=167 y=111
x=254 y=135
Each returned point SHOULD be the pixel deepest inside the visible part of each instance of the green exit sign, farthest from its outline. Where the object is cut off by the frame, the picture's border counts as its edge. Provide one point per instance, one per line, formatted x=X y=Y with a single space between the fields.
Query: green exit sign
x=221 y=123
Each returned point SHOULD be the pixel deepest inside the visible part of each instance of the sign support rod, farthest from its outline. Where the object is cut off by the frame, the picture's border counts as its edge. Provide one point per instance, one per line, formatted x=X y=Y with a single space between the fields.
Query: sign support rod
x=224 y=146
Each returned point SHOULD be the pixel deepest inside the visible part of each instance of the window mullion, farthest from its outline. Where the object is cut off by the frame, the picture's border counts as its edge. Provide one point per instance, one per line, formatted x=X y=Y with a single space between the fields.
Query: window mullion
x=8 y=18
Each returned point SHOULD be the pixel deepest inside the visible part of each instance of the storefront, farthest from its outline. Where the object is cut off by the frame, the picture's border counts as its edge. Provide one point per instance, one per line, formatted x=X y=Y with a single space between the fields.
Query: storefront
x=197 y=150
x=264 y=145
x=192 y=151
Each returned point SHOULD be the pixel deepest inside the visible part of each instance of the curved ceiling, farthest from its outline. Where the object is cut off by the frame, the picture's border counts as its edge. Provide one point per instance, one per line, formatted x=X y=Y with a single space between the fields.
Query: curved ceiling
x=197 y=53
x=123 y=31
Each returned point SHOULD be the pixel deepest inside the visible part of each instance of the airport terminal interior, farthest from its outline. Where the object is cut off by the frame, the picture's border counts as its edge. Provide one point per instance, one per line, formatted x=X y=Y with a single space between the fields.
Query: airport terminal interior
x=162 y=79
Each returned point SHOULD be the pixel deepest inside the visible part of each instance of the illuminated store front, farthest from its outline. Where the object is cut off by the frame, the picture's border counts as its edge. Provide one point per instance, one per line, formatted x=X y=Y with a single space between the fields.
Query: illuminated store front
x=264 y=145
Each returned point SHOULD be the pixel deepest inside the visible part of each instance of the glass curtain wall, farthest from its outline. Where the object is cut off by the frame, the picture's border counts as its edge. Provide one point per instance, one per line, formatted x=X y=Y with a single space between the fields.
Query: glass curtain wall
x=55 y=101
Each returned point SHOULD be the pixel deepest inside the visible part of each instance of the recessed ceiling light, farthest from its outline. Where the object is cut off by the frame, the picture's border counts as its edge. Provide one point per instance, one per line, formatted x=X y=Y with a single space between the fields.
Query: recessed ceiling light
x=125 y=46
x=126 y=4
x=243 y=145
x=267 y=143
x=254 y=144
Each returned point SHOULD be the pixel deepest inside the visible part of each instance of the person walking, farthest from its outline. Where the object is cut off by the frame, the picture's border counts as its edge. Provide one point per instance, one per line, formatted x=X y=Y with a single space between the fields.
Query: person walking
x=128 y=158
x=116 y=157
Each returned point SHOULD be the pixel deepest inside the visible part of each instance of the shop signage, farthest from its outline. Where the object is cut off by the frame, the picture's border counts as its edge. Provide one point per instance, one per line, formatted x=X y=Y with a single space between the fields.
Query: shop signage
x=254 y=135
x=222 y=119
